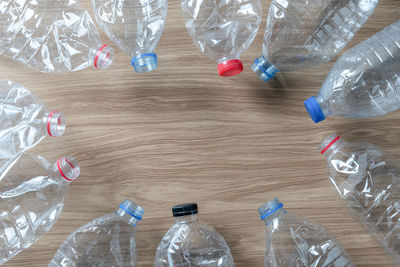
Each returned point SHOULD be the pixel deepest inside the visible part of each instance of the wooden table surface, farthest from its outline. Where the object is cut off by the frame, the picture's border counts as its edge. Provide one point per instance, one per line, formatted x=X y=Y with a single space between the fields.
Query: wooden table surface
x=183 y=134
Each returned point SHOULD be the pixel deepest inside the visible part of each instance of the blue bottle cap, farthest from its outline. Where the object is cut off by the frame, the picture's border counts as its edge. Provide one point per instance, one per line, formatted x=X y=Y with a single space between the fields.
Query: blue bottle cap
x=314 y=110
x=144 y=62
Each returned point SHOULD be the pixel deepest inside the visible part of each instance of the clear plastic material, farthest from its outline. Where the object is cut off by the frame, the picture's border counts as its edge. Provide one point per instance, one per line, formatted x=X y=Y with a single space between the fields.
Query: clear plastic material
x=364 y=82
x=51 y=36
x=293 y=241
x=24 y=121
x=223 y=30
x=135 y=26
x=190 y=242
x=369 y=182
x=31 y=199
x=106 y=241
x=304 y=33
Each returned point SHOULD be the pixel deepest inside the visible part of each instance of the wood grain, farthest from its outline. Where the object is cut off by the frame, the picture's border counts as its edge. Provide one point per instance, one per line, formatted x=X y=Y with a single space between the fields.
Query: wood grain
x=183 y=134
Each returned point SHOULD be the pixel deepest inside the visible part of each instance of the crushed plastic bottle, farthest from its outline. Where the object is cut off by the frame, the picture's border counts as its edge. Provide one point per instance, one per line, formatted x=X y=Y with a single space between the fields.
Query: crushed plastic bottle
x=106 y=241
x=51 y=36
x=364 y=82
x=24 y=121
x=223 y=30
x=31 y=199
x=293 y=241
x=303 y=33
x=190 y=242
x=369 y=182
x=135 y=26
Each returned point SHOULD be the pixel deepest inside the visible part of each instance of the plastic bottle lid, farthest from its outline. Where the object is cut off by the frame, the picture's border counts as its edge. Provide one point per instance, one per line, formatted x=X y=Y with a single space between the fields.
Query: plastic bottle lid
x=184 y=209
x=230 y=67
x=55 y=124
x=68 y=168
x=314 y=110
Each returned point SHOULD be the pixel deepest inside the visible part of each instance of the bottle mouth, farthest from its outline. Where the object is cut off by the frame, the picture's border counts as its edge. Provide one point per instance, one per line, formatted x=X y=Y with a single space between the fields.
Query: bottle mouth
x=68 y=168
x=269 y=208
x=230 y=67
x=328 y=142
x=264 y=70
x=314 y=109
x=55 y=124
x=132 y=209
x=103 y=57
x=144 y=62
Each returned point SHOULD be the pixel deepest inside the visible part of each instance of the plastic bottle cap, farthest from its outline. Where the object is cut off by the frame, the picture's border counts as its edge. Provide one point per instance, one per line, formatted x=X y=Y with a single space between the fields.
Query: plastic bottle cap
x=314 y=110
x=230 y=67
x=184 y=209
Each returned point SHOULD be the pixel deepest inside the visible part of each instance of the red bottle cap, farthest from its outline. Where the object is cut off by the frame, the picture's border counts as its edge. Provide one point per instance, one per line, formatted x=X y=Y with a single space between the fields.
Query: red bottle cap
x=230 y=67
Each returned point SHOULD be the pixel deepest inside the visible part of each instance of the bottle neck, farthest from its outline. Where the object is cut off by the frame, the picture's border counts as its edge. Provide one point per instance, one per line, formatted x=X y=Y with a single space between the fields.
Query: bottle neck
x=101 y=56
x=130 y=212
x=187 y=219
x=273 y=220
x=65 y=170
x=330 y=144
x=323 y=105
x=54 y=123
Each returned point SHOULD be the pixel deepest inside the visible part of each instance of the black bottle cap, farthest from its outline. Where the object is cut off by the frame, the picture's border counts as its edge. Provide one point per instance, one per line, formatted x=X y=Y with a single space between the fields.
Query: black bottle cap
x=184 y=209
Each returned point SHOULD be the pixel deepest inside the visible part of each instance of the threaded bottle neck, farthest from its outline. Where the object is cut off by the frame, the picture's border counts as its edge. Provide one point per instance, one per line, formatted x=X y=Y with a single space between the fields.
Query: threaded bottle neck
x=329 y=144
x=130 y=212
x=65 y=169
x=55 y=123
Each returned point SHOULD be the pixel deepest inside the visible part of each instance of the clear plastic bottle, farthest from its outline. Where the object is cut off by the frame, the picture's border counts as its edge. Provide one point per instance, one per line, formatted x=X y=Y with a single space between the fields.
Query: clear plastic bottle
x=293 y=241
x=369 y=182
x=32 y=194
x=364 y=82
x=223 y=30
x=190 y=242
x=106 y=241
x=24 y=121
x=51 y=36
x=304 y=33
x=135 y=26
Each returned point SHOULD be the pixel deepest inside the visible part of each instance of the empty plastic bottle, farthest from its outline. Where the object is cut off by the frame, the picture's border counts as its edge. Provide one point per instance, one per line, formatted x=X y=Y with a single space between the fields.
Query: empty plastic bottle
x=51 y=36
x=364 y=82
x=135 y=26
x=293 y=241
x=24 y=121
x=190 y=242
x=31 y=199
x=369 y=182
x=106 y=241
x=303 y=33
x=223 y=30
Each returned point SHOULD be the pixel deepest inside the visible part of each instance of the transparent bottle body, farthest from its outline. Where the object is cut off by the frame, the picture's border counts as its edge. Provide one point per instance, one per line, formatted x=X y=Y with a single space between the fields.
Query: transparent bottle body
x=48 y=35
x=135 y=26
x=303 y=33
x=190 y=242
x=222 y=30
x=294 y=241
x=106 y=241
x=365 y=81
x=369 y=182
x=31 y=200
x=23 y=119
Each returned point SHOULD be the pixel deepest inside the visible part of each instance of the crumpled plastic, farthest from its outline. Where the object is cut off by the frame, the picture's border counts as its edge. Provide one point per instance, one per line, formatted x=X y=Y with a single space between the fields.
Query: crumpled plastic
x=105 y=241
x=194 y=244
x=48 y=35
